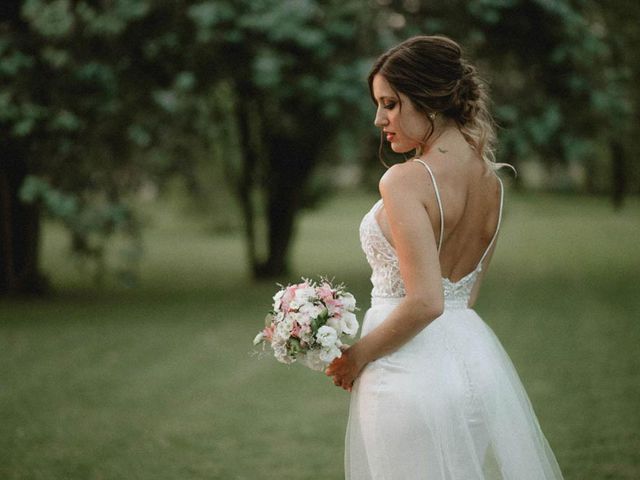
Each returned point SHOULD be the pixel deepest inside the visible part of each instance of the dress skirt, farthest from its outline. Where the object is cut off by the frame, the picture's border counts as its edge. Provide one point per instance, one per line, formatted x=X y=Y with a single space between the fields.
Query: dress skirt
x=447 y=405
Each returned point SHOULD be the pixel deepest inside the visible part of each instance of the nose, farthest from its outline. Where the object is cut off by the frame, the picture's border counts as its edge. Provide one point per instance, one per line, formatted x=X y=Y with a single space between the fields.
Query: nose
x=380 y=120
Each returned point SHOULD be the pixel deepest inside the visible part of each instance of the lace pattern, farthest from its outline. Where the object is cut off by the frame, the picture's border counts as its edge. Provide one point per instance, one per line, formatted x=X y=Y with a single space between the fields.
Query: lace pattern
x=385 y=268
x=457 y=294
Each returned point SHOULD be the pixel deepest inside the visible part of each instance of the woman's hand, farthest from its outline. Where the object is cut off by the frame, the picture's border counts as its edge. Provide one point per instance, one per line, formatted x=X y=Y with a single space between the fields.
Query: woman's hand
x=346 y=369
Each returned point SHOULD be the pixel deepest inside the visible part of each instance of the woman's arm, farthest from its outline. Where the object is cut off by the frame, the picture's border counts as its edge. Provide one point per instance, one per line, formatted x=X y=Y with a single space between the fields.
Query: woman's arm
x=405 y=190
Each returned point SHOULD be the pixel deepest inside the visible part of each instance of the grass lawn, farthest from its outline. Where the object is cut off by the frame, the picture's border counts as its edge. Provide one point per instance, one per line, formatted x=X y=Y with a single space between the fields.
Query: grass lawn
x=159 y=382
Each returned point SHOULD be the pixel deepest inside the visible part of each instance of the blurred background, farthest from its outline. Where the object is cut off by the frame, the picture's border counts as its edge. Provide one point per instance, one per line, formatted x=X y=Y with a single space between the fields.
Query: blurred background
x=165 y=163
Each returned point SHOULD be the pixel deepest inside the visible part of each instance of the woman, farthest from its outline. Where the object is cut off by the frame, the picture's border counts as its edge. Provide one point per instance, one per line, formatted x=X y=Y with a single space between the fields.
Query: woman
x=434 y=396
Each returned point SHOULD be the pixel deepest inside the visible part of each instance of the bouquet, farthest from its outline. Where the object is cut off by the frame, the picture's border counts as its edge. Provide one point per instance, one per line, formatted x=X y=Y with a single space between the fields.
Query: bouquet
x=307 y=322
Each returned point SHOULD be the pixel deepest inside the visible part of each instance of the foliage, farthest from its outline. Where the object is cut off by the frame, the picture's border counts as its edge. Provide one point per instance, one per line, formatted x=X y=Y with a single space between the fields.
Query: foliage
x=105 y=98
x=92 y=223
x=242 y=99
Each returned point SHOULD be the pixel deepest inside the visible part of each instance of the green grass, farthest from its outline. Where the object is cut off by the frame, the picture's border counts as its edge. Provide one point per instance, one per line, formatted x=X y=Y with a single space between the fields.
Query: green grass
x=159 y=382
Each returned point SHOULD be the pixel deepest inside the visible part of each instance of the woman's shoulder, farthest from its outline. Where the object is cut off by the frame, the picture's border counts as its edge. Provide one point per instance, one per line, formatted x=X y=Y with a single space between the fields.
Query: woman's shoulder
x=404 y=178
x=401 y=173
x=416 y=171
x=421 y=172
x=407 y=182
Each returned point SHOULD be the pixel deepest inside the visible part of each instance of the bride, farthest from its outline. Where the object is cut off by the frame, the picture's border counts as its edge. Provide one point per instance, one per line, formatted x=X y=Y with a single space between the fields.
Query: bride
x=434 y=396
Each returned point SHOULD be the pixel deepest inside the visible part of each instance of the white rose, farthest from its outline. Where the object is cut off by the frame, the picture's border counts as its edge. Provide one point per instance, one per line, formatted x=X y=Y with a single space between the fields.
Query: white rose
x=327 y=336
x=330 y=354
x=348 y=301
x=350 y=324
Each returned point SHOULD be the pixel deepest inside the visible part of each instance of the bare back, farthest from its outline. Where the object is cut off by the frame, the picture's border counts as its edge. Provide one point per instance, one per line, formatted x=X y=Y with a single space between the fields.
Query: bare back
x=469 y=195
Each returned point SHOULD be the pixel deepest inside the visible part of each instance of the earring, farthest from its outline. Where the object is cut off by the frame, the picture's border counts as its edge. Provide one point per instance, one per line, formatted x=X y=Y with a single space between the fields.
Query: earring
x=432 y=115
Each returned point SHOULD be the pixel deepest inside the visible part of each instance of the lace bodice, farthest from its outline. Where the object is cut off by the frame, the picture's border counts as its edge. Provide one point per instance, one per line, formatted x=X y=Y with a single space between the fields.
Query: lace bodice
x=385 y=270
x=381 y=256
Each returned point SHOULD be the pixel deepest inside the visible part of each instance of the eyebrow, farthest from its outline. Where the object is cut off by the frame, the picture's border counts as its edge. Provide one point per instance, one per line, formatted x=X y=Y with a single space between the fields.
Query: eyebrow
x=386 y=97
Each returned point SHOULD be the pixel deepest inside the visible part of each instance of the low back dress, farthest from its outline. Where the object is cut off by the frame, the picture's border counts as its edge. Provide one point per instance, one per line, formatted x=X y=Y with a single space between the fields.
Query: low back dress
x=448 y=404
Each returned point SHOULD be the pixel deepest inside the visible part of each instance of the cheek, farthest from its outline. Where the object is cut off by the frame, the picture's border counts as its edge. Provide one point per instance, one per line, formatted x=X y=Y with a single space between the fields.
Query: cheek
x=403 y=128
x=416 y=130
x=395 y=121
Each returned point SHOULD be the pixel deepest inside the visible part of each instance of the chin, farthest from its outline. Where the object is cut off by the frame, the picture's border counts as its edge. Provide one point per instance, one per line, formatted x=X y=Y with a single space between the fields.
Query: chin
x=399 y=148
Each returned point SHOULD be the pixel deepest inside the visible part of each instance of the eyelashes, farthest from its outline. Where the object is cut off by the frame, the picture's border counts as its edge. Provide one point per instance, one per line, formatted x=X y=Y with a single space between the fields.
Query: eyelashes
x=389 y=106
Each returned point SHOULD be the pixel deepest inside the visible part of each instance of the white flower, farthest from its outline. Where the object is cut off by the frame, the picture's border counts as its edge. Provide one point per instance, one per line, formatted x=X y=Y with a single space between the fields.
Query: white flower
x=348 y=301
x=327 y=336
x=258 y=339
x=303 y=294
x=350 y=324
x=287 y=321
x=277 y=299
x=278 y=340
x=330 y=354
x=311 y=311
x=337 y=324
x=293 y=305
x=301 y=317
x=283 y=329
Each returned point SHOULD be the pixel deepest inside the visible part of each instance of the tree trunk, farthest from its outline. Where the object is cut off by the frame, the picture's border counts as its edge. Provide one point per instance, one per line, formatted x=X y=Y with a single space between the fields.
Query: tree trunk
x=19 y=234
x=291 y=162
x=246 y=183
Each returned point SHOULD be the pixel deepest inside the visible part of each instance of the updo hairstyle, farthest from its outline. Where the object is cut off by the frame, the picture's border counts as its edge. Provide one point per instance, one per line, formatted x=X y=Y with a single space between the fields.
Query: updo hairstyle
x=431 y=72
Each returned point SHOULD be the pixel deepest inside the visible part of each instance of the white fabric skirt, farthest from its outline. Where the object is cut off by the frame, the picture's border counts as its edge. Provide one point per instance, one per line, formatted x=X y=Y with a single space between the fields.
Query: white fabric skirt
x=447 y=405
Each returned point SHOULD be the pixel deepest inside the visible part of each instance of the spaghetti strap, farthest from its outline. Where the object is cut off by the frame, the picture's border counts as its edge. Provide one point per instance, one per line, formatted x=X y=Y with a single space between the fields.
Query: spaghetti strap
x=435 y=187
x=479 y=266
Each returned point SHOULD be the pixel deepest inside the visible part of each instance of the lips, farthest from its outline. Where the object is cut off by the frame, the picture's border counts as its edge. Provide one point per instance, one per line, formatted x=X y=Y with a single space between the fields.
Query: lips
x=390 y=136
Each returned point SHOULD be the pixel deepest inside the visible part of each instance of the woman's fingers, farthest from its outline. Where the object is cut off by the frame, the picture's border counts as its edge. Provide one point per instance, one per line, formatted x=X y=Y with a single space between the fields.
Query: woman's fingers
x=340 y=382
x=339 y=379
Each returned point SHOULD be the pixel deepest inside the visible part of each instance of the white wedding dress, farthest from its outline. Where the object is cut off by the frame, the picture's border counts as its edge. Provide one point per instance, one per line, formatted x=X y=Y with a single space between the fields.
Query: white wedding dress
x=448 y=404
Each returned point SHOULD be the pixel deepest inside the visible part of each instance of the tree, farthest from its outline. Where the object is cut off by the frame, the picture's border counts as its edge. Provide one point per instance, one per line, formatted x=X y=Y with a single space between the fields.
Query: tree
x=296 y=83
x=74 y=114
x=95 y=90
x=102 y=97
x=619 y=21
